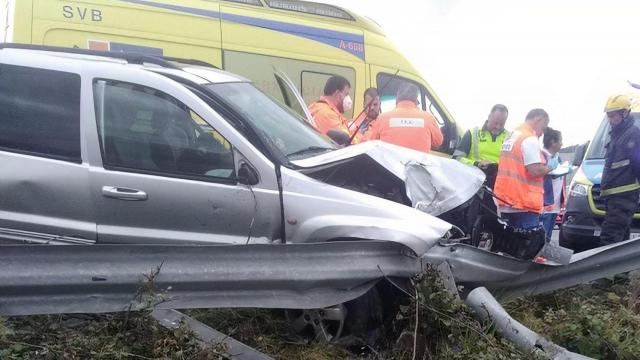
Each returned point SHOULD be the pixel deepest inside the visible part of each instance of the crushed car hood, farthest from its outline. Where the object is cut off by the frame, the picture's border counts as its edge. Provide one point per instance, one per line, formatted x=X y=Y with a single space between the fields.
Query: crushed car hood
x=430 y=183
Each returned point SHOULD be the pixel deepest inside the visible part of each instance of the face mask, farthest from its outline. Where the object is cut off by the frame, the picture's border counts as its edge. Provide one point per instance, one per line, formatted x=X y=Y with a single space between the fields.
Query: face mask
x=347 y=104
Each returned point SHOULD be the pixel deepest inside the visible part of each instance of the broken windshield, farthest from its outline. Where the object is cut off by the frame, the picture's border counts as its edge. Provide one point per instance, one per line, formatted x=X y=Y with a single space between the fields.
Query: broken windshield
x=278 y=125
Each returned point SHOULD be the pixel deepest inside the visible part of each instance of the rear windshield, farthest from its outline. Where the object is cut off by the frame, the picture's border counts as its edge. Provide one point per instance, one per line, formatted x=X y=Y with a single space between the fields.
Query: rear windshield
x=597 y=148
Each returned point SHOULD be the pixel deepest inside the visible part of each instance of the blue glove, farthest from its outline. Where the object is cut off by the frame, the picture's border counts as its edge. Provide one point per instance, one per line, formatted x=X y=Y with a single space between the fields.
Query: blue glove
x=553 y=162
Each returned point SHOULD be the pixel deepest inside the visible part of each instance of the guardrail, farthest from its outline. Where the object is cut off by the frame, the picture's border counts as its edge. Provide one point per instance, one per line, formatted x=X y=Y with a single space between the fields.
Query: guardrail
x=507 y=277
x=46 y=279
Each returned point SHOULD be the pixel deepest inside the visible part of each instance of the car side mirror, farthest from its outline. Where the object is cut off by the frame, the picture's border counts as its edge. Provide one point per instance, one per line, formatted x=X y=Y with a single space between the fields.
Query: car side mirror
x=581 y=151
x=247 y=175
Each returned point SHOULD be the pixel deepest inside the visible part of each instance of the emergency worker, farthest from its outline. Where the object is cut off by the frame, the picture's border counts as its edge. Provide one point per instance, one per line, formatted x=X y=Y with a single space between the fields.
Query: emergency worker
x=328 y=111
x=407 y=125
x=481 y=146
x=521 y=170
x=370 y=113
x=620 y=187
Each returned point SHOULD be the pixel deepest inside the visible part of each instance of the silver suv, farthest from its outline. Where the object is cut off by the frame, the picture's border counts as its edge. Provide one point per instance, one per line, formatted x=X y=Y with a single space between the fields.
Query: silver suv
x=123 y=148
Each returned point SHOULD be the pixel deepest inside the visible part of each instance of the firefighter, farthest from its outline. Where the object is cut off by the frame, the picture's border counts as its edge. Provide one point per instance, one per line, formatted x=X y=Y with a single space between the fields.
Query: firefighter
x=481 y=146
x=407 y=125
x=620 y=186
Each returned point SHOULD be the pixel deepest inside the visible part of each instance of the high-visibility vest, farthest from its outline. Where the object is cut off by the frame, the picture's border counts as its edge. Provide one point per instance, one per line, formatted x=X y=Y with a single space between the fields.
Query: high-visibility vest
x=483 y=147
x=514 y=187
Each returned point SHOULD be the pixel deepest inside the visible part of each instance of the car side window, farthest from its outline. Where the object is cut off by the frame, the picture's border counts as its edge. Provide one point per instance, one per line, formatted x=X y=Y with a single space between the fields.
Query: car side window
x=40 y=112
x=145 y=130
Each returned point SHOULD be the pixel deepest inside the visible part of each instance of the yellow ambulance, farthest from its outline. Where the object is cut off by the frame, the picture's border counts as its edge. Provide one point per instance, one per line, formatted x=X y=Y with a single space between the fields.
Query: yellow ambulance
x=278 y=44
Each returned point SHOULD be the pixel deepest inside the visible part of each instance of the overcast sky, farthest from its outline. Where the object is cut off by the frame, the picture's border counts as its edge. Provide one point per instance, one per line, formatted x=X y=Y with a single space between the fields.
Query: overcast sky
x=564 y=56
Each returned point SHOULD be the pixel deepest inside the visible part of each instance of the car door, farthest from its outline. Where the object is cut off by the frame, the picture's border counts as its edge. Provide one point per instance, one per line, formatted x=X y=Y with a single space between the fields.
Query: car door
x=44 y=182
x=168 y=175
x=292 y=97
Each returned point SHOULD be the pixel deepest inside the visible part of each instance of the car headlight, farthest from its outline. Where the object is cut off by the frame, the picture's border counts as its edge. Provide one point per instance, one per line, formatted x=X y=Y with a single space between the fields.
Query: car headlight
x=579 y=190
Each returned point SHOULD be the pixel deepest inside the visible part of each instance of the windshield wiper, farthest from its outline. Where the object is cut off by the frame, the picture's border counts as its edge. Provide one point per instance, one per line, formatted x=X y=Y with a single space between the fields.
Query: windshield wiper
x=310 y=149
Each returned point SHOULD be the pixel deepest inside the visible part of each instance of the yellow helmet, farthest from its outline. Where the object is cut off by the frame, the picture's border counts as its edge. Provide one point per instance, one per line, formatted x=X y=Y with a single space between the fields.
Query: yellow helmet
x=618 y=102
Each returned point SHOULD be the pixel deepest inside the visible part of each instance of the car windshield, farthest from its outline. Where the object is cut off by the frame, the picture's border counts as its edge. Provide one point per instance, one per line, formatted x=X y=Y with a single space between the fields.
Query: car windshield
x=278 y=125
x=597 y=148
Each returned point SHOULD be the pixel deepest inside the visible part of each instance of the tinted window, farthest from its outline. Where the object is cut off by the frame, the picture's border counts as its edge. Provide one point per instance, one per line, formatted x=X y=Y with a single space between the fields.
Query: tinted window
x=40 y=112
x=143 y=129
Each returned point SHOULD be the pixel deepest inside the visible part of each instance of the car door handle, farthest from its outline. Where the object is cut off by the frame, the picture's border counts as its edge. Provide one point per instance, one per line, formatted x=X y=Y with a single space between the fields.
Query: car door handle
x=123 y=193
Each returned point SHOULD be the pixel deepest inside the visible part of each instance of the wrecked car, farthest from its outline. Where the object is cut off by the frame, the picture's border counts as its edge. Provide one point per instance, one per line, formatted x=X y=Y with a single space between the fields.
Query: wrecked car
x=118 y=148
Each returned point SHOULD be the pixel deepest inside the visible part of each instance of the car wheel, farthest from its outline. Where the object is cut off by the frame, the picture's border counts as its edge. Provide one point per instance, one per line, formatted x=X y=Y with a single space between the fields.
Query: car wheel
x=322 y=325
x=354 y=322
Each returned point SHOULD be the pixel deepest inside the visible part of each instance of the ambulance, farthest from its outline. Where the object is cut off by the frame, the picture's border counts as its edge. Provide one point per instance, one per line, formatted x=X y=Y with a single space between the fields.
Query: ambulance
x=287 y=48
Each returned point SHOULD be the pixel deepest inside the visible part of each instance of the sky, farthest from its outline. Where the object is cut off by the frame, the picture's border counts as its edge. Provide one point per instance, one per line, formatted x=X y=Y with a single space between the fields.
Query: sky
x=565 y=56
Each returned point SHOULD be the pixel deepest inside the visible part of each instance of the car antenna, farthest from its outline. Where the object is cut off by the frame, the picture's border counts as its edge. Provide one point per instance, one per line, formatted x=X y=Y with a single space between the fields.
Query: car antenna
x=366 y=108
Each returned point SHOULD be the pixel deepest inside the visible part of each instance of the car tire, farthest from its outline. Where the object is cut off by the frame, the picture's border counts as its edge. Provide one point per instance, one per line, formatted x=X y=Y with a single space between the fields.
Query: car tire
x=363 y=322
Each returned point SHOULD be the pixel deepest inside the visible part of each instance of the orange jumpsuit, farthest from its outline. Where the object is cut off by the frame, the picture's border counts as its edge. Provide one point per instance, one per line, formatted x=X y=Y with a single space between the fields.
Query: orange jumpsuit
x=407 y=126
x=328 y=117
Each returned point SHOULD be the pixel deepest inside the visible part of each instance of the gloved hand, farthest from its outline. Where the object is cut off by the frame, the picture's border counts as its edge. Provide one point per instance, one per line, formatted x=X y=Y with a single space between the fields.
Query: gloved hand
x=553 y=162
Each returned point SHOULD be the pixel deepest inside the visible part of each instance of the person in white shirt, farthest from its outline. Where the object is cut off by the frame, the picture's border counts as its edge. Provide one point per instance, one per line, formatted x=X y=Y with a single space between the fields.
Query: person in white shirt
x=553 y=186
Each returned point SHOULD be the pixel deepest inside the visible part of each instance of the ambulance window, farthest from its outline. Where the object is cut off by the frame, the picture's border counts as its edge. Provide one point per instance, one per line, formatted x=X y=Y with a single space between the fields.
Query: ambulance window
x=40 y=112
x=431 y=108
x=388 y=88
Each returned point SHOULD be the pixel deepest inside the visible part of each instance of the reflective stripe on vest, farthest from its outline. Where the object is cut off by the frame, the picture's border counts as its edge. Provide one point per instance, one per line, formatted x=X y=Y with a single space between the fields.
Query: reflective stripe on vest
x=482 y=150
x=513 y=184
x=475 y=140
x=620 y=164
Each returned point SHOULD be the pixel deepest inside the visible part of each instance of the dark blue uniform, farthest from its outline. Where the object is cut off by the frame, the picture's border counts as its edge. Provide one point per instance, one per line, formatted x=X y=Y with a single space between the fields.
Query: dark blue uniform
x=620 y=186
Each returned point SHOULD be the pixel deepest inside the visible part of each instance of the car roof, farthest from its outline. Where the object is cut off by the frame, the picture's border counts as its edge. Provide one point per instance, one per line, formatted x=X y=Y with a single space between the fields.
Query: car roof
x=191 y=70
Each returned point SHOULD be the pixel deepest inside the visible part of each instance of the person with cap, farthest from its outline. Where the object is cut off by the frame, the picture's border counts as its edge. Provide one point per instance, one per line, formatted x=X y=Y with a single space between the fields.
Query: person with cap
x=481 y=146
x=620 y=185
x=407 y=125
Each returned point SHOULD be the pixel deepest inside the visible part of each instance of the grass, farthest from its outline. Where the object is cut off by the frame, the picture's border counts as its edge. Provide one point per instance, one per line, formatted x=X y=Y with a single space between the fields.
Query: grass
x=268 y=332
x=112 y=336
x=597 y=321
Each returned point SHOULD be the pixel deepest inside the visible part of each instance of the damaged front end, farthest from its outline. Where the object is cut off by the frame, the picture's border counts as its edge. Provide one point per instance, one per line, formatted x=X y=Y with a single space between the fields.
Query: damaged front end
x=437 y=186
x=380 y=191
